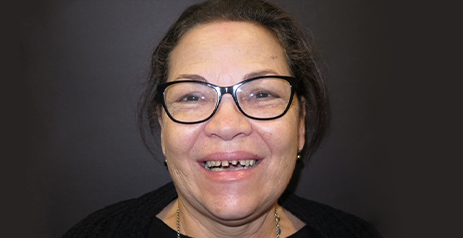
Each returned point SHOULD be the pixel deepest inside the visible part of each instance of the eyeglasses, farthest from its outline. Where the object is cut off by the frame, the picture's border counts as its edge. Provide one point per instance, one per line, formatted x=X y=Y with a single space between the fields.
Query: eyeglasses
x=260 y=98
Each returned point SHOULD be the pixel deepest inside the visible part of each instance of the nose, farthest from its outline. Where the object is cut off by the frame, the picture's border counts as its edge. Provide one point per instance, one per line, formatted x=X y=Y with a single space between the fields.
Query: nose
x=228 y=122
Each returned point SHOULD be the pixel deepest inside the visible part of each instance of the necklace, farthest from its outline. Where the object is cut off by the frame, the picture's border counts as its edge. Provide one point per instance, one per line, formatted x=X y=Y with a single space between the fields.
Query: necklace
x=277 y=221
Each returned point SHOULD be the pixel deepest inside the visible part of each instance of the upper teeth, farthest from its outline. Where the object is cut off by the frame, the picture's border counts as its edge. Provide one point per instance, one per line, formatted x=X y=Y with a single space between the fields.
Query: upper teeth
x=244 y=163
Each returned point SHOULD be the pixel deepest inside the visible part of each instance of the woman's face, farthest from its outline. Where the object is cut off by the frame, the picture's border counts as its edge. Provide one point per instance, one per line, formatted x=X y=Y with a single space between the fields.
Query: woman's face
x=226 y=53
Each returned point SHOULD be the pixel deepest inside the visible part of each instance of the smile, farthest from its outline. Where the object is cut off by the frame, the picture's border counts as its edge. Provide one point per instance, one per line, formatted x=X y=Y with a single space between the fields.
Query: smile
x=232 y=165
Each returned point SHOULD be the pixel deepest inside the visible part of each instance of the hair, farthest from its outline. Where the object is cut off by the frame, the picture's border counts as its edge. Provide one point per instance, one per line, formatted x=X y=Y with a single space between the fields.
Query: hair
x=302 y=59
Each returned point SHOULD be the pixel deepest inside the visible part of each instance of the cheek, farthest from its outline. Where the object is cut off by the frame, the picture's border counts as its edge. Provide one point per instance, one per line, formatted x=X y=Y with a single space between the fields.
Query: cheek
x=178 y=139
x=281 y=138
x=281 y=135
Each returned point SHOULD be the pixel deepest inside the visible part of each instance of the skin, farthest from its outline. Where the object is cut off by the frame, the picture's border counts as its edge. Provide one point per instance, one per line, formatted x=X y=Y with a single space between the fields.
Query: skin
x=240 y=203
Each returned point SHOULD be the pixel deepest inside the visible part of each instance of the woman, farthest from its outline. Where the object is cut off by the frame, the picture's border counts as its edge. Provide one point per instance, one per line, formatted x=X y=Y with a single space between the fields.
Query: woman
x=239 y=99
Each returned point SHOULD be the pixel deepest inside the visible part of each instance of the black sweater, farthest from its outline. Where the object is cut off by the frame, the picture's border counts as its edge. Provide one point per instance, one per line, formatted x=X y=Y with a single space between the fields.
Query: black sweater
x=134 y=218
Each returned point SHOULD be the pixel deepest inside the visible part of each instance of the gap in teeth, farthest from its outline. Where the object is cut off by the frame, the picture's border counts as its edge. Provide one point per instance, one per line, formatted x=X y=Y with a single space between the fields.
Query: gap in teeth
x=210 y=165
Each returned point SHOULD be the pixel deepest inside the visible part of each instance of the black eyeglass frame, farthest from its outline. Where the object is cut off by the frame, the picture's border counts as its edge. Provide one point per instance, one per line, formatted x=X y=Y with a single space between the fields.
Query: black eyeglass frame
x=232 y=91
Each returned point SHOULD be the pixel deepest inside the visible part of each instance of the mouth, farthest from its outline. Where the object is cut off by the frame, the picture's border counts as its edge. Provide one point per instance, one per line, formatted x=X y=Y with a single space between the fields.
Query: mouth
x=232 y=165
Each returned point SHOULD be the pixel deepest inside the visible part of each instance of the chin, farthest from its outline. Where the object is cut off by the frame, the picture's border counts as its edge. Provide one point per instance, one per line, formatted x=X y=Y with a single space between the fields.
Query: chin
x=237 y=207
x=235 y=214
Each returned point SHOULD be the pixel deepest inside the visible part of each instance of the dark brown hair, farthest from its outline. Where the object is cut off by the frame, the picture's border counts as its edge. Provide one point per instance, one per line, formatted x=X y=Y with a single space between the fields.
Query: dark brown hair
x=301 y=58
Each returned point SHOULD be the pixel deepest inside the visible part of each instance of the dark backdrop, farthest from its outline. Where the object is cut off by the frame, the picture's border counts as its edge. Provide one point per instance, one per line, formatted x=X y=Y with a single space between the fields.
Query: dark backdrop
x=83 y=63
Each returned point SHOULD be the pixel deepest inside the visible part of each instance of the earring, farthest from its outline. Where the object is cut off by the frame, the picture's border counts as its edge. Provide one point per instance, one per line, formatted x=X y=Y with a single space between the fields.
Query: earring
x=165 y=163
x=299 y=154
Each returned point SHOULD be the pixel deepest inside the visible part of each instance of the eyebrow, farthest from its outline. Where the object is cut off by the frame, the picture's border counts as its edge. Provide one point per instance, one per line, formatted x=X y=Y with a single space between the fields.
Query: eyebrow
x=197 y=77
x=259 y=73
x=191 y=77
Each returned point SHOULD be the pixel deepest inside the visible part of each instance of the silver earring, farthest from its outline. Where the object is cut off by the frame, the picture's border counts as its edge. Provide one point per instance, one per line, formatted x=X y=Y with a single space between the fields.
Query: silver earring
x=165 y=163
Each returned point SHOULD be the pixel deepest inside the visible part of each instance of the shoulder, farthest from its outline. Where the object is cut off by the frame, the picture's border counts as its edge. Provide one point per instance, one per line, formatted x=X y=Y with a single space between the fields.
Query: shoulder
x=131 y=216
x=329 y=221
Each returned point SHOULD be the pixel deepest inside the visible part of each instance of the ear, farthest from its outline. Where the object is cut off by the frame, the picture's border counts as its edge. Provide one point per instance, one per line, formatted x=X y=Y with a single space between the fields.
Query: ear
x=301 y=129
x=159 y=114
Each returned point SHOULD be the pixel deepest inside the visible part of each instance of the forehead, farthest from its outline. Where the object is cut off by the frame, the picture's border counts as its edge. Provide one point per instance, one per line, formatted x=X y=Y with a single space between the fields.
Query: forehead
x=227 y=48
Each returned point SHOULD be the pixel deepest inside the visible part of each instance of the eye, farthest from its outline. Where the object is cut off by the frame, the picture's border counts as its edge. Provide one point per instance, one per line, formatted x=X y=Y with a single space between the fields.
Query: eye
x=262 y=95
x=191 y=98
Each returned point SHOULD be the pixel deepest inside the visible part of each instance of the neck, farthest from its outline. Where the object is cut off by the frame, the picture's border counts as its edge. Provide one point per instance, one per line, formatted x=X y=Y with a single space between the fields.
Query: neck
x=195 y=224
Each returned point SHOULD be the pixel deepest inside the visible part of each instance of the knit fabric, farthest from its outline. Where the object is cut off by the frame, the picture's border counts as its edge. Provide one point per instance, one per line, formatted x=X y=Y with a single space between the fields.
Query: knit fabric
x=132 y=218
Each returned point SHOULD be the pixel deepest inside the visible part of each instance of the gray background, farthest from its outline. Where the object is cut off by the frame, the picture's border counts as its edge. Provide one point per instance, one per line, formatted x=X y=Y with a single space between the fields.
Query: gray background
x=83 y=63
